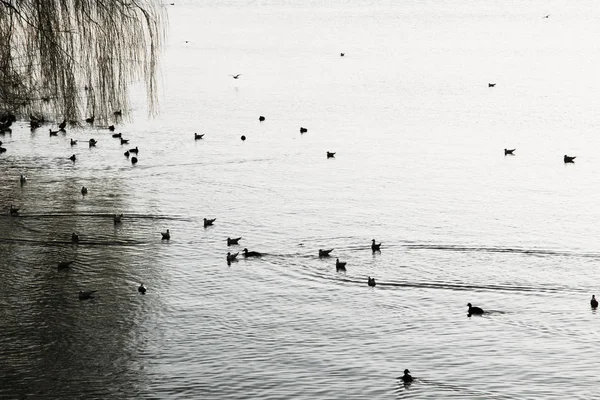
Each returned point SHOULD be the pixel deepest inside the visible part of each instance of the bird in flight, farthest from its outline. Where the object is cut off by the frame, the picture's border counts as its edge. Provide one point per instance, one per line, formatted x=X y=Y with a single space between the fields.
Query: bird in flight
x=547 y=16
x=235 y=76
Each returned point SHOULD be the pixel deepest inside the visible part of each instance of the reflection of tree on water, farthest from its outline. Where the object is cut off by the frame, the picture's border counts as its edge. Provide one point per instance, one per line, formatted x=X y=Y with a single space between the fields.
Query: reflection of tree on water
x=52 y=343
x=57 y=56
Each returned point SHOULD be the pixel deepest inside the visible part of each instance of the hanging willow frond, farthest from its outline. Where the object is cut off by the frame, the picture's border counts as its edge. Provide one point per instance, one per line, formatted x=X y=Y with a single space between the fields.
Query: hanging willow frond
x=66 y=58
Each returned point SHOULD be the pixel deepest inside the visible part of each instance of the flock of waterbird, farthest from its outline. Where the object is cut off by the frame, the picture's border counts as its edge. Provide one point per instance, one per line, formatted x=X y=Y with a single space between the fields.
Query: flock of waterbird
x=7 y=120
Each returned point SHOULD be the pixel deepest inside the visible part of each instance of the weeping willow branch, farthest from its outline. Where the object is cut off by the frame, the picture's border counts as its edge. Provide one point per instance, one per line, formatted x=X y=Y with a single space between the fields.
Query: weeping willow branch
x=67 y=58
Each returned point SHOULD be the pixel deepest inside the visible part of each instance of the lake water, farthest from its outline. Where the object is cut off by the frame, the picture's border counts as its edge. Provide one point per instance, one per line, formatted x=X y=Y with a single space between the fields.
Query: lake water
x=419 y=165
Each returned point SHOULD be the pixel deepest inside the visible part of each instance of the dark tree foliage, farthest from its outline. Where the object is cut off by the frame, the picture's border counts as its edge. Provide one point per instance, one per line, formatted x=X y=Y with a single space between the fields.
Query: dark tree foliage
x=67 y=58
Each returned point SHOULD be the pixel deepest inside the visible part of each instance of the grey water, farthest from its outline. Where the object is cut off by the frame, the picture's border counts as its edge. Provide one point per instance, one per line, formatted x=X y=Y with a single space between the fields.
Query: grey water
x=419 y=138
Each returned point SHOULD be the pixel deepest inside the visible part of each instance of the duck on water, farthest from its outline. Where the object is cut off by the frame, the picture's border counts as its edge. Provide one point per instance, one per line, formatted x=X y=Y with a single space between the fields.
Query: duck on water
x=474 y=310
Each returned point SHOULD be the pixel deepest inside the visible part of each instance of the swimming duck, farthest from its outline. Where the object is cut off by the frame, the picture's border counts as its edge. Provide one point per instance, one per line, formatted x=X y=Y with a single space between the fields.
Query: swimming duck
x=90 y=120
x=118 y=113
x=406 y=378
x=209 y=222
x=569 y=159
x=74 y=238
x=117 y=135
x=134 y=150
x=491 y=84
x=166 y=235
x=142 y=288
x=14 y=210
x=324 y=253
x=232 y=257
x=342 y=54
x=231 y=241
x=86 y=295
x=117 y=218
x=375 y=246
x=62 y=125
x=73 y=142
x=340 y=266
x=124 y=141
x=53 y=133
x=303 y=130
x=111 y=128
x=371 y=282
x=126 y=154
x=134 y=160
x=84 y=190
x=65 y=264
x=23 y=179
x=509 y=151
x=73 y=158
x=261 y=118
x=2 y=150
x=474 y=310
x=251 y=253
x=198 y=137
x=330 y=154
x=93 y=142
x=594 y=302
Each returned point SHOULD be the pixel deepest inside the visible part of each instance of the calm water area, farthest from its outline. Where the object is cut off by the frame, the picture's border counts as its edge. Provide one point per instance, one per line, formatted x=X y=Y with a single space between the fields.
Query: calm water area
x=419 y=138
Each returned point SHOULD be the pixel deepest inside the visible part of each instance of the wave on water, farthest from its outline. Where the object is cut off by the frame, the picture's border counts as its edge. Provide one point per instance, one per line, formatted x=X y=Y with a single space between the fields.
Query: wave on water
x=493 y=249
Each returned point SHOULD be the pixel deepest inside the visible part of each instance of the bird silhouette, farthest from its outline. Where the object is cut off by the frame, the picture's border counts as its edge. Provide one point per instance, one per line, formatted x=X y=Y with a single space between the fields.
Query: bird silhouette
x=569 y=159
x=236 y=76
x=474 y=310
x=375 y=246
x=406 y=378
x=330 y=154
x=86 y=295
x=251 y=253
x=594 y=302
x=231 y=241
x=65 y=264
x=142 y=288
x=340 y=266
x=509 y=152
x=371 y=282
x=324 y=253
x=209 y=222
x=166 y=235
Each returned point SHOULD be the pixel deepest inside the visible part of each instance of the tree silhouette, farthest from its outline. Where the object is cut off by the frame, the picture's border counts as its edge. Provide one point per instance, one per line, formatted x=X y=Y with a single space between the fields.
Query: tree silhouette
x=67 y=58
